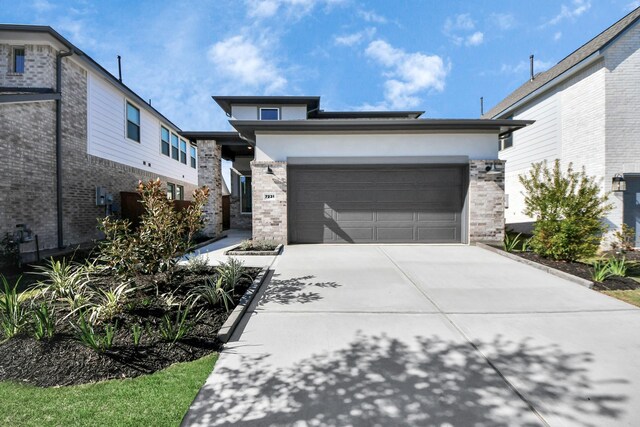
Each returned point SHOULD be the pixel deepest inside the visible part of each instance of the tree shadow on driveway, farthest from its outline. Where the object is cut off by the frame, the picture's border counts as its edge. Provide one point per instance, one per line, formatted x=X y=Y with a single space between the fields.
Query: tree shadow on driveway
x=297 y=290
x=382 y=381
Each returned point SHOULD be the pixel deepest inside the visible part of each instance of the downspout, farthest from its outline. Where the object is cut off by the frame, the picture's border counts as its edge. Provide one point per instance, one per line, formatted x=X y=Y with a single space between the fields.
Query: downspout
x=59 y=57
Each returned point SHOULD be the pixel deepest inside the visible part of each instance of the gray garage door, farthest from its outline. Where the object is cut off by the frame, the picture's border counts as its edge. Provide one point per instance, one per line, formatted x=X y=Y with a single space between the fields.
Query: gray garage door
x=368 y=204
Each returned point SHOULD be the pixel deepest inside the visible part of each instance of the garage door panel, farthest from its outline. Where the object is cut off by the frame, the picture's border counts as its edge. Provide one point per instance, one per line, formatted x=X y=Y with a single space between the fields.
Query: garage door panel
x=376 y=204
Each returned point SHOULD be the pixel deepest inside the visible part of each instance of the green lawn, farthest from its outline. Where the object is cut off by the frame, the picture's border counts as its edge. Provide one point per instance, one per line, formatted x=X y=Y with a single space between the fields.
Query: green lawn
x=632 y=297
x=160 y=399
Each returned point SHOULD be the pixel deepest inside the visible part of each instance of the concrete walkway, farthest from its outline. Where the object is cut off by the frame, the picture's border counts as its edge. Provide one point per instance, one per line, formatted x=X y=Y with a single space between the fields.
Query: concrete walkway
x=214 y=252
x=424 y=335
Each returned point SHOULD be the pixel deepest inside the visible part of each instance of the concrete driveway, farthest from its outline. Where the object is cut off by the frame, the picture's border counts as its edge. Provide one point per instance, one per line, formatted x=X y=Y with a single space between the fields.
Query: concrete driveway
x=424 y=335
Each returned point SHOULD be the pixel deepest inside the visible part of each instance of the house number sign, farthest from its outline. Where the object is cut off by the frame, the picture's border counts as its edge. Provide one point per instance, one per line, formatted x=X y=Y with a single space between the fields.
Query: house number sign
x=269 y=196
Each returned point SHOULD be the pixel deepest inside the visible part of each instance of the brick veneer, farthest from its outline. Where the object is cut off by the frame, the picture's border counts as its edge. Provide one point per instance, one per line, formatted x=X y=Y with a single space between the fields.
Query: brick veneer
x=269 y=215
x=486 y=202
x=39 y=67
x=210 y=174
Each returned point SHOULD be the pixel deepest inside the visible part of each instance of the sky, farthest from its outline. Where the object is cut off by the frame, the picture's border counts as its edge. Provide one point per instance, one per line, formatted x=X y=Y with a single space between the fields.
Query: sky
x=436 y=56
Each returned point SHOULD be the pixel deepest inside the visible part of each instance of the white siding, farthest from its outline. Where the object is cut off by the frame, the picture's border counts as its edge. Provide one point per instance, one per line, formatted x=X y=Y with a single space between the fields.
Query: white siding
x=270 y=147
x=287 y=112
x=107 y=134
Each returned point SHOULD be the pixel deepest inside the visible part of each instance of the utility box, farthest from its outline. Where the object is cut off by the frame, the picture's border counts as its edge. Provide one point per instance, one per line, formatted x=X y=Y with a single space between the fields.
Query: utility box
x=102 y=197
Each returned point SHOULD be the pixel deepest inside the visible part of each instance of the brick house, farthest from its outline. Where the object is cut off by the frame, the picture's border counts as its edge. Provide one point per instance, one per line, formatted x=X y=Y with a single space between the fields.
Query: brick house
x=586 y=113
x=304 y=175
x=73 y=138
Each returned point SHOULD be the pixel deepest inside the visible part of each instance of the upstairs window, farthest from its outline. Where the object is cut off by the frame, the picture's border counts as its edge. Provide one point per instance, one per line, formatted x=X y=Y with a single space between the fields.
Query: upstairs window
x=183 y=151
x=164 y=140
x=174 y=147
x=269 y=114
x=171 y=191
x=506 y=141
x=133 y=122
x=194 y=155
x=18 y=60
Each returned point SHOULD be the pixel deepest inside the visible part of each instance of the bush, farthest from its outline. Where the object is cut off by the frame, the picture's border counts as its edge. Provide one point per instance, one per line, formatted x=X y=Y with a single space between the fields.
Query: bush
x=258 y=245
x=568 y=210
x=231 y=272
x=163 y=234
x=13 y=316
x=625 y=238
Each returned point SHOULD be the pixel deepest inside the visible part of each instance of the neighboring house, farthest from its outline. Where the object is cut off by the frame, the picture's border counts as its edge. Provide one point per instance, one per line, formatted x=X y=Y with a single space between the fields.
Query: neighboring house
x=73 y=138
x=586 y=112
x=304 y=175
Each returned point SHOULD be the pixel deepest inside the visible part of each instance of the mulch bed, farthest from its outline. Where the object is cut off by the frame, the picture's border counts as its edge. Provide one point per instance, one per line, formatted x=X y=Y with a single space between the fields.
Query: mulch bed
x=584 y=271
x=64 y=360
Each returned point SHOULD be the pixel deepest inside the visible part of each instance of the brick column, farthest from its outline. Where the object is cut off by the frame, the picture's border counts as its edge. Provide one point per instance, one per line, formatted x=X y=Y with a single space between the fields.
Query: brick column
x=486 y=202
x=269 y=201
x=210 y=174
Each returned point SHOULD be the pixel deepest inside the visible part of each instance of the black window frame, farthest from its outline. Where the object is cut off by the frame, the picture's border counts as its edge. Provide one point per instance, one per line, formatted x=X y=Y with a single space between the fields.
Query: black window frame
x=175 y=149
x=179 y=192
x=165 y=145
x=14 y=61
x=171 y=191
x=132 y=125
x=193 y=154
x=243 y=187
x=183 y=153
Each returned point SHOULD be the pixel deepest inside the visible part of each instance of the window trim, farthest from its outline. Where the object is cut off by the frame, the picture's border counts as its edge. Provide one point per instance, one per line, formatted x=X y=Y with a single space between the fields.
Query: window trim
x=172 y=134
x=268 y=108
x=168 y=142
x=182 y=159
x=180 y=192
x=193 y=160
x=14 y=57
x=127 y=121
x=171 y=190
x=242 y=212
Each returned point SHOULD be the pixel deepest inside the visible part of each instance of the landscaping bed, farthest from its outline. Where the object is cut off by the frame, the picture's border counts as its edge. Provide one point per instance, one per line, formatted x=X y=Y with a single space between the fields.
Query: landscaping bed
x=256 y=247
x=153 y=307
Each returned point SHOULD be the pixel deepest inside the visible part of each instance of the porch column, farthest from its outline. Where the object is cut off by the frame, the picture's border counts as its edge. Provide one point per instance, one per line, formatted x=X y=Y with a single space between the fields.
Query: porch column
x=210 y=174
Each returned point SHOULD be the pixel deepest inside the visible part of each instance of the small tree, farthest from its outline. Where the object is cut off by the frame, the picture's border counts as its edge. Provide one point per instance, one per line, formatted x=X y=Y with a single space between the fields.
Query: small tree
x=163 y=234
x=568 y=209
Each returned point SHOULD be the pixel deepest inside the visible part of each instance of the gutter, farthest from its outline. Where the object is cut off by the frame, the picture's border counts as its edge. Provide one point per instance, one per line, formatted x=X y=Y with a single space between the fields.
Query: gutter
x=59 y=57
x=589 y=60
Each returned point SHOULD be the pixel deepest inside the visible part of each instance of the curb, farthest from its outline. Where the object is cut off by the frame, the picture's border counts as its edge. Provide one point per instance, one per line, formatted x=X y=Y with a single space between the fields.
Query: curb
x=225 y=332
x=234 y=252
x=579 y=280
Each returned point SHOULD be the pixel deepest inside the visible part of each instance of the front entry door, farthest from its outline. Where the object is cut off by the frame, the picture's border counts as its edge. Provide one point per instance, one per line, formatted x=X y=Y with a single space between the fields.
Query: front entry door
x=632 y=205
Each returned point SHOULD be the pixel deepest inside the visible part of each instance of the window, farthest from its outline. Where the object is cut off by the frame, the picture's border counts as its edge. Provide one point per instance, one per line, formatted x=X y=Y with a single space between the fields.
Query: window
x=193 y=153
x=133 y=123
x=269 y=114
x=183 y=151
x=174 y=147
x=171 y=191
x=18 y=60
x=164 y=140
x=506 y=141
x=245 y=194
x=179 y=192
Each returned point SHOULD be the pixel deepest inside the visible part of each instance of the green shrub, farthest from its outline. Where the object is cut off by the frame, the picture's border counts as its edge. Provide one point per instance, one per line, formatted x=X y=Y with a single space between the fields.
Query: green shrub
x=136 y=332
x=174 y=330
x=197 y=264
x=214 y=293
x=258 y=245
x=87 y=335
x=600 y=271
x=105 y=304
x=568 y=210
x=231 y=272
x=44 y=324
x=511 y=242
x=163 y=234
x=64 y=280
x=12 y=314
x=617 y=267
x=625 y=238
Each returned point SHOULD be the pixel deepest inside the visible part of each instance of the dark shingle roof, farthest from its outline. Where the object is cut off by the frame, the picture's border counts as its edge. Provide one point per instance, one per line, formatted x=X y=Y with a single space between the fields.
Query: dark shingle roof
x=598 y=42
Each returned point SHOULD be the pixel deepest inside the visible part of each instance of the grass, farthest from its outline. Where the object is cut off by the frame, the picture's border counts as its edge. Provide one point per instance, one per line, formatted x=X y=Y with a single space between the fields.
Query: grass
x=630 y=296
x=159 y=399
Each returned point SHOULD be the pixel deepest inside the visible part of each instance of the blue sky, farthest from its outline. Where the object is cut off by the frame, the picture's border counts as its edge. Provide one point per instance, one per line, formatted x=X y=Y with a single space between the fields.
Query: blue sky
x=437 y=56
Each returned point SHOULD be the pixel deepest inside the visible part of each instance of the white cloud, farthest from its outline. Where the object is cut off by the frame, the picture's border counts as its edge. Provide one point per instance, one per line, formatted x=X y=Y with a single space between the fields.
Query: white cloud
x=243 y=62
x=523 y=66
x=633 y=5
x=371 y=16
x=503 y=21
x=570 y=11
x=462 y=22
x=42 y=6
x=408 y=74
x=355 y=38
x=475 y=39
x=557 y=36
x=292 y=9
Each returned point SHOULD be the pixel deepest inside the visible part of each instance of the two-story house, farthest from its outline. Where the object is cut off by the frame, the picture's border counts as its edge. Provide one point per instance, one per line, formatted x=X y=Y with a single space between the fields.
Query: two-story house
x=586 y=113
x=73 y=138
x=305 y=175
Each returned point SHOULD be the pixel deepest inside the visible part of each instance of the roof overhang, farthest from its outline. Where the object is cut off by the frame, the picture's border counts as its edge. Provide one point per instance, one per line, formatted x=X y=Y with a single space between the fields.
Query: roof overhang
x=232 y=143
x=249 y=128
x=225 y=102
x=366 y=114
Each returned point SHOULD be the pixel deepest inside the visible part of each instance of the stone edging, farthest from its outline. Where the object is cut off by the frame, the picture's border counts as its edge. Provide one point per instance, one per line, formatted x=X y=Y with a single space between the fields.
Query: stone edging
x=225 y=332
x=550 y=270
x=234 y=252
